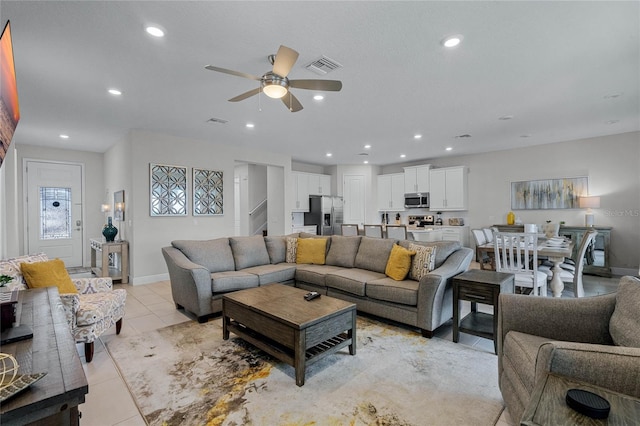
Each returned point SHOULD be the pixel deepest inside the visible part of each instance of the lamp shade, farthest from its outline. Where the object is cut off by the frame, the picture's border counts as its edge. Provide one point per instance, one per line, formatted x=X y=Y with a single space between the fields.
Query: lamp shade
x=105 y=208
x=589 y=202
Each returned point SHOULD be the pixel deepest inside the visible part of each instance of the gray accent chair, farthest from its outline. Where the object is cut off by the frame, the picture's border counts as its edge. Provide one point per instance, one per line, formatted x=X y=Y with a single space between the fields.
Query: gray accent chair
x=593 y=339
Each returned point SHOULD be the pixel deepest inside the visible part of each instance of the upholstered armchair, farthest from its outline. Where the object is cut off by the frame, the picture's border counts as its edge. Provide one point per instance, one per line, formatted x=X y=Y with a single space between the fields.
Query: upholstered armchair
x=95 y=308
x=592 y=339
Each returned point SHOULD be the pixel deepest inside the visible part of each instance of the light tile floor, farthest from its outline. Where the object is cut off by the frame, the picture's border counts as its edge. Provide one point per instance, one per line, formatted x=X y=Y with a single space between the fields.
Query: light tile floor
x=150 y=307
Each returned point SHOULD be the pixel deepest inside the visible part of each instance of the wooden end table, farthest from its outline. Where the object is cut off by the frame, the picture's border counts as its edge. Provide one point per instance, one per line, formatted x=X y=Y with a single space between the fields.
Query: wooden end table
x=479 y=286
x=548 y=406
x=277 y=319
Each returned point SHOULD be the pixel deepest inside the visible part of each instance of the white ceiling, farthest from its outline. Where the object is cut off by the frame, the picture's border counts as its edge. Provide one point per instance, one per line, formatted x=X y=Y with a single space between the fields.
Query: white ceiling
x=551 y=65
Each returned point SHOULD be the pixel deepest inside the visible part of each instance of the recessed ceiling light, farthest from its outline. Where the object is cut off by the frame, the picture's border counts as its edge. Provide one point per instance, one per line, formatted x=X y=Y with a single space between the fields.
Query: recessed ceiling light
x=250 y=125
x=418 y=136
x=64 y=136
x=403 y=155
x=367 y=146
x=115 y=92
x=505 y=117
x=329 y=154
x=155 y=31
x=448 y=148
x=318 y=97
x=452 y=41
x=366 y=162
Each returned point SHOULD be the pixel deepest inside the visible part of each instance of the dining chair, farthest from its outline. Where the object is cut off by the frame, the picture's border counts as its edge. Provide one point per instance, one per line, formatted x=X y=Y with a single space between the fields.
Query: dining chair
x=399 y=232
x=488 y=234
x=349 y=229
x=571 y=272
x=374 y=231
x=517 y=253
x=482 y=256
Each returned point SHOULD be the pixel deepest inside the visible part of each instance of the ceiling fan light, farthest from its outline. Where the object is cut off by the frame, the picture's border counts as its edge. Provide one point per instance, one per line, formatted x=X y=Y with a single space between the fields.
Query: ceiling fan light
x=274 y=90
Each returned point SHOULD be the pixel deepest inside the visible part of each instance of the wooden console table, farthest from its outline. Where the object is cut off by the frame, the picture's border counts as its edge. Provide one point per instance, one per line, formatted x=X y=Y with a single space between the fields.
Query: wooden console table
x=119 y=247
x=54 y=399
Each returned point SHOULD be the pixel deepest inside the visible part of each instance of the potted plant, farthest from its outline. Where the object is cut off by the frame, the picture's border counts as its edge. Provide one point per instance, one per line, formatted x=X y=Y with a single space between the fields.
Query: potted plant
x=4 y=280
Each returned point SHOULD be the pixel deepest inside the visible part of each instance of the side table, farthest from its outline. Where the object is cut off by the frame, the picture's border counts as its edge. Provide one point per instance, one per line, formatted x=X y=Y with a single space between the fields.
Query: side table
x=547 y=405
x=106 y=248
x=479 y=286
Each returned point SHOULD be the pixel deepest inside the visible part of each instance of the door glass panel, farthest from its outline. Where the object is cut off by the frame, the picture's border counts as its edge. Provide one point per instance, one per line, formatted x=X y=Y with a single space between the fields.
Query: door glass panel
x=55 y=213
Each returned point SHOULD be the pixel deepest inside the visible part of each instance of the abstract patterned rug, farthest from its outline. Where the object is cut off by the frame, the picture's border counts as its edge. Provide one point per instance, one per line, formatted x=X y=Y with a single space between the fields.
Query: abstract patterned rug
x=187 y=375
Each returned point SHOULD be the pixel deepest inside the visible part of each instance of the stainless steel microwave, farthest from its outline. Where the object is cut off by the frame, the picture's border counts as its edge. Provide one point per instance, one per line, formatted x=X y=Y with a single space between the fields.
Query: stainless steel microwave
x=416 y=200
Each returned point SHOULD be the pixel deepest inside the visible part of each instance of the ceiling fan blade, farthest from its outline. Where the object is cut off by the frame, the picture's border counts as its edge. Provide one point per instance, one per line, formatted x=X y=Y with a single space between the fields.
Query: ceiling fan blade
x=285 y=58
x=292 y=103
x=327 y=85
x=245 y=95
x=232 y=72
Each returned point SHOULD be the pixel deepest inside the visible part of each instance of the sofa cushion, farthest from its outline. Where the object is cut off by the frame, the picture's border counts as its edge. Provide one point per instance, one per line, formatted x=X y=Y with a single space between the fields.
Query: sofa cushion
x=267 y=274
x=222 y=282
x=351 y=280
x=399 y=263
x=11 y=268
x=249 y=251
x=342 y=251
x=625 y=320
x=292 y=249
x=277 y=248
x=311 y=250
x=50 y=273
x=94 y=307
x=390 y=290
x=373 y=253
x=215 y=255
x=314 y=274
x=423 y=262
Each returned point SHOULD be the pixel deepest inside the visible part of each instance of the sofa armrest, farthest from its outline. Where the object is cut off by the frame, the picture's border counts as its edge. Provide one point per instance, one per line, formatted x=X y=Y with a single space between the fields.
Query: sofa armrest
x=190 y=282
x=93 y=285
x=611 y=367
x=433 y=286
x=583 y=319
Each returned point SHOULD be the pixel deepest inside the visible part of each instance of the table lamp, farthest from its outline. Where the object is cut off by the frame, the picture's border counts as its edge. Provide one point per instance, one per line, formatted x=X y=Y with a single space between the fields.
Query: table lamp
x=589 y=203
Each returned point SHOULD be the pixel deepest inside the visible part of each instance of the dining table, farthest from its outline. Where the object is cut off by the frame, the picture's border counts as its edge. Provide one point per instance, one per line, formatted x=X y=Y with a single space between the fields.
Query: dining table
x=555 y=253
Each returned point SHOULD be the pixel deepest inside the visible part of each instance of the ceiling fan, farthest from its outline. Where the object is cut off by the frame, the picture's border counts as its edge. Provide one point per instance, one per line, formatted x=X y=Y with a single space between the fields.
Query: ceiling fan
x=275 y=83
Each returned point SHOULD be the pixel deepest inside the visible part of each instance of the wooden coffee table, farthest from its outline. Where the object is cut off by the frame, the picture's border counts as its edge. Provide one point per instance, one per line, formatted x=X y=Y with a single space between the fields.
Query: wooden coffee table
x=277 y=319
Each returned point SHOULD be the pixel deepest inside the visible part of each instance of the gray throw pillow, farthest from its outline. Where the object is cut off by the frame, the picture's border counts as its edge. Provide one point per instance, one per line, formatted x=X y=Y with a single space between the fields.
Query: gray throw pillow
x=373 y=253
x=249 y=251
x=624 y=325
x=342 y=251
x=277 y=248
x=215 y=255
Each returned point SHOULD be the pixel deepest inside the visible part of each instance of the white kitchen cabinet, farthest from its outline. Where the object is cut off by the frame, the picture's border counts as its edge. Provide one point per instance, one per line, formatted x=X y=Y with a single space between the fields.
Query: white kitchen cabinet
x=429 y=235
x=448 y=188
x=319 y=184
x=309 y=229
x=456 y=233
x=391 y=192
x=416 y=178
x=300 y=192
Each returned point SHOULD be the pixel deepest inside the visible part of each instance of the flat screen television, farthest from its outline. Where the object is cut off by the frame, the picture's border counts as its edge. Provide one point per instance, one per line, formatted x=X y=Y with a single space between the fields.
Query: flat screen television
x=9 y=107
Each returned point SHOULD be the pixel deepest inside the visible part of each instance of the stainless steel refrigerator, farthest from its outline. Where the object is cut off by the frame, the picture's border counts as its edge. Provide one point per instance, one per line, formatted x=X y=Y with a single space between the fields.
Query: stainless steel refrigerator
x=326 y=213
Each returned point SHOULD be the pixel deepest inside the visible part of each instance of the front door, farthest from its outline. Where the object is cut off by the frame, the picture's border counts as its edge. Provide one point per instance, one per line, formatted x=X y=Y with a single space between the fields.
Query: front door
x=54 y=210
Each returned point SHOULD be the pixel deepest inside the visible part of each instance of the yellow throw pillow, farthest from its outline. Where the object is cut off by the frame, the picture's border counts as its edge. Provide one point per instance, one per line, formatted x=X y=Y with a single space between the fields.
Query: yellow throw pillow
x=311 y=250
x=48 y=274
x=399 y=263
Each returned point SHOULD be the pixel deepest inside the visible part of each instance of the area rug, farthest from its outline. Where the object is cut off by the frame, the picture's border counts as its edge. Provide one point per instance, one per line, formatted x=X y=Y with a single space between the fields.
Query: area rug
x=187 y=375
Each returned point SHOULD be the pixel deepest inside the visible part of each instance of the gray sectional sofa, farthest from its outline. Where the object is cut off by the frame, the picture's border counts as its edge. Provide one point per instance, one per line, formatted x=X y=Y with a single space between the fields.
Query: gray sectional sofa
x=201 y=272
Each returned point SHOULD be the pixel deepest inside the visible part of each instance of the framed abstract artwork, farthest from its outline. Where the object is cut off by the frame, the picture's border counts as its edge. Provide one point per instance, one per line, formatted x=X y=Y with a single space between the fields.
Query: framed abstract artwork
x=207 y=192
x=168 y=190
x=548 y=194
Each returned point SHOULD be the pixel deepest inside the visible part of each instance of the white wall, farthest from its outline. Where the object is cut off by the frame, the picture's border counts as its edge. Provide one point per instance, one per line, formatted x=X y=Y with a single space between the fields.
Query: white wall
x=150 y=234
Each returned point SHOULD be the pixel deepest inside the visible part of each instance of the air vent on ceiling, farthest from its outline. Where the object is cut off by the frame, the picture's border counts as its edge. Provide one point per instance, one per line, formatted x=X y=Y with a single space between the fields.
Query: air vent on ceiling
x=364 y=153
x=323 y=65
x=463 y=136
x=217 y=120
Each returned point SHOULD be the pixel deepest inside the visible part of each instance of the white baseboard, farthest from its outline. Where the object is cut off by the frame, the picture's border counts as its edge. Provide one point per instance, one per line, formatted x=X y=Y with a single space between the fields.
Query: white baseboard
x=148 y=279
